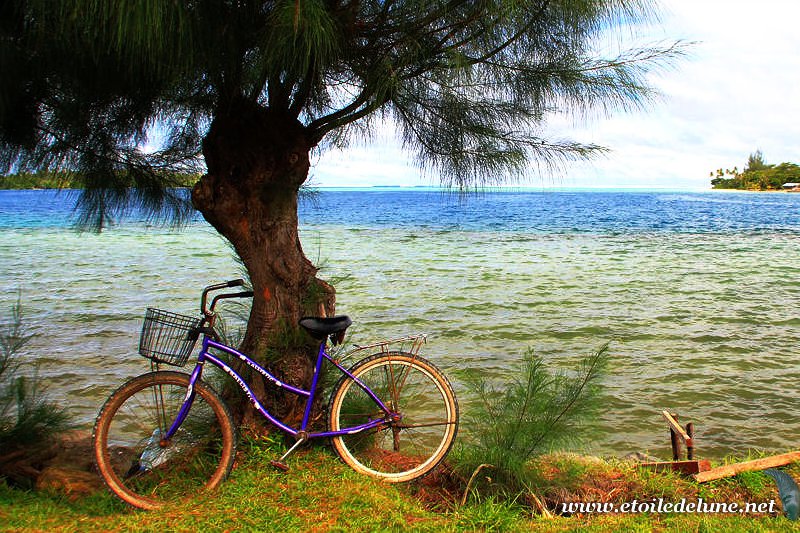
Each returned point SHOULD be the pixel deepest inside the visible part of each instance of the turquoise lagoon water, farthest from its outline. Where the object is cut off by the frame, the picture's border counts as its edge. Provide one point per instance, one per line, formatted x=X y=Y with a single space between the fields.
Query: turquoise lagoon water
x=696 y=293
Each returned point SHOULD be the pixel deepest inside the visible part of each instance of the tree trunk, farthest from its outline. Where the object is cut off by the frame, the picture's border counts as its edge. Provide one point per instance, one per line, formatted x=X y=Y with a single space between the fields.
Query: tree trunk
x=257 y=160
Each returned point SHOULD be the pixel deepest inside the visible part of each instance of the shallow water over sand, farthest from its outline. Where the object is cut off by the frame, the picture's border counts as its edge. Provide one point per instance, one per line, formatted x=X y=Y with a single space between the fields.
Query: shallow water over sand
x=695 y=293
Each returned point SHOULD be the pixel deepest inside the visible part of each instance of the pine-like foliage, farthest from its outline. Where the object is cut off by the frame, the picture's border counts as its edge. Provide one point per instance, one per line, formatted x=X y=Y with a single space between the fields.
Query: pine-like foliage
x=28 y=419
x=468 y=85
x=535 y=411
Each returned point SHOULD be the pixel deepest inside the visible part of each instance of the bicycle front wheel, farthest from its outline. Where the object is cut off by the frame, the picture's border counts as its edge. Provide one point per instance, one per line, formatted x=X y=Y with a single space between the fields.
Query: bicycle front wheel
x=411 y=443
x=135 y=460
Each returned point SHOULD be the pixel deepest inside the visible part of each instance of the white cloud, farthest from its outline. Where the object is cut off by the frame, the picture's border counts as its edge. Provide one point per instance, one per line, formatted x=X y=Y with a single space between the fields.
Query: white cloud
x=735 y=93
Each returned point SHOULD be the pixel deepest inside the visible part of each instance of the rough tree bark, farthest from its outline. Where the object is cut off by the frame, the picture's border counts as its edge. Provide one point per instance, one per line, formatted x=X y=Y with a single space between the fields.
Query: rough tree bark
x=257 y=159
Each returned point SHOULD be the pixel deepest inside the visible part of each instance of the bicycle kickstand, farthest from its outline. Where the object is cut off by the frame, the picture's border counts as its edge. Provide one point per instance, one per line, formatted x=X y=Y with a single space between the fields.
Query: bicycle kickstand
x=280 y=463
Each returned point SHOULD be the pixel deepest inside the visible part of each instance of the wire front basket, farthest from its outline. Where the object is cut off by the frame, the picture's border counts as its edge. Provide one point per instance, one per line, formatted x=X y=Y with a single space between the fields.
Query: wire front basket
x=168 y=337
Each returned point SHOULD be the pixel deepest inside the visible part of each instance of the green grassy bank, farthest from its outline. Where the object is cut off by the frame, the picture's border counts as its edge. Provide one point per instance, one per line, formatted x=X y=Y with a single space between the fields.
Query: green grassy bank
x=322 y=494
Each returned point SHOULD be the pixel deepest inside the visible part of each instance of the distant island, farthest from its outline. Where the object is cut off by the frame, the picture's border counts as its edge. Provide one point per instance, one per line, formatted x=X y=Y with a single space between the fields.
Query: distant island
x=758 y=176
x=68 y=180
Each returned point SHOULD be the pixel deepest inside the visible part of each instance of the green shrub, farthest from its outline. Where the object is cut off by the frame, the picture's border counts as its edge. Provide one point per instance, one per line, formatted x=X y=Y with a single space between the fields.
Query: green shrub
x=533 y=413
x=28 y=421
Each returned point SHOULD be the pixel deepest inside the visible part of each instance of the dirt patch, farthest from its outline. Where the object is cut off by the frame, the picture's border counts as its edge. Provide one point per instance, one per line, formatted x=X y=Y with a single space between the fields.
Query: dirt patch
x=63 y=465
x=440 y=490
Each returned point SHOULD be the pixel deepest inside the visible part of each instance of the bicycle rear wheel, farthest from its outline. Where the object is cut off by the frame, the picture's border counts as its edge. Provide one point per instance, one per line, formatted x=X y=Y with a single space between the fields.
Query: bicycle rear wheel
x=142 y=468
x=412 y=444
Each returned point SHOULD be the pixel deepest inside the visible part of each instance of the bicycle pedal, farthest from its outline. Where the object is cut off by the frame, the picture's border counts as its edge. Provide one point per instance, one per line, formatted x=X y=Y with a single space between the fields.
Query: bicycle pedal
x=279 y=465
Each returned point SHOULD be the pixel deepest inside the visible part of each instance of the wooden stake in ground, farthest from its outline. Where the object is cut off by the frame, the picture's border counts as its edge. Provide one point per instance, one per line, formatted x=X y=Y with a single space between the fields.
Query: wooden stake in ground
x=678 y=434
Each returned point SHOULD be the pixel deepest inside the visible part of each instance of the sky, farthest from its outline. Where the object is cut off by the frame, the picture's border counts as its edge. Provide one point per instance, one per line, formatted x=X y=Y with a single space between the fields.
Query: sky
x=735 y=93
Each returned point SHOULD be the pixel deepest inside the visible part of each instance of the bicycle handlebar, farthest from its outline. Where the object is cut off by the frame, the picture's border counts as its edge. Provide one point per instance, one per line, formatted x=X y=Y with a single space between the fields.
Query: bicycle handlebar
x=243 y=294
x=219 y=286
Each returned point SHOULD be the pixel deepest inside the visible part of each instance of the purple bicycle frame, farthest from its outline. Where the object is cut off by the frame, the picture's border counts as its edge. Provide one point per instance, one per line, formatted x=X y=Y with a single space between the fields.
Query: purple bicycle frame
x=204 y=356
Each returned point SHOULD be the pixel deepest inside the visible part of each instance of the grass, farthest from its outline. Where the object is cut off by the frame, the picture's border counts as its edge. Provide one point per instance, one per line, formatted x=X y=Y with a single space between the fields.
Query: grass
x=320 y=493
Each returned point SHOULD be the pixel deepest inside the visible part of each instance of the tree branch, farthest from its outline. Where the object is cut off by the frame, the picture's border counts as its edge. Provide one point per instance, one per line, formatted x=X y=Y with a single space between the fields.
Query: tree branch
x=303 y=91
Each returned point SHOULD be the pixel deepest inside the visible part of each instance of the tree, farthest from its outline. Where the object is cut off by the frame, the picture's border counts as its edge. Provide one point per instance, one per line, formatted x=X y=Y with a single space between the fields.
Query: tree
x=757 y=175
x=756 y=162
x=255 y=86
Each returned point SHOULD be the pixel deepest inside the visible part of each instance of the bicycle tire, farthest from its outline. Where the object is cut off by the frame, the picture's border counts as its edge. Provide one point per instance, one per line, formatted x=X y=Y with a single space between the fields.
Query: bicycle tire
x=137 y=465
x=400 y=450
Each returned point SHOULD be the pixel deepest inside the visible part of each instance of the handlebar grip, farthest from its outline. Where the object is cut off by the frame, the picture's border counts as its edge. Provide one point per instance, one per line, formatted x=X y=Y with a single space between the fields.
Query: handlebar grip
x=235 y=283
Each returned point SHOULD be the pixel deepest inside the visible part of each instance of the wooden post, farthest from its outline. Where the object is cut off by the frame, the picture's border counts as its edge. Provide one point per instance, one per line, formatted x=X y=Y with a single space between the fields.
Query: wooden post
x=676 y=445
x=690 y=442
x=676 y=434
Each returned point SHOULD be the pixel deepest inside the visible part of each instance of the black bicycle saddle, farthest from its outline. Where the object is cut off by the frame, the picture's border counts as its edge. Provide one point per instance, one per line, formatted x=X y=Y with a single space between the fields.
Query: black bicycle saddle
x=321 y=327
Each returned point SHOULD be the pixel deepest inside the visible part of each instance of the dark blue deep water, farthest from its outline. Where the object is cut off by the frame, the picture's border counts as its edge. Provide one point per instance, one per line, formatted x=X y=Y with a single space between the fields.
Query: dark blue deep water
x=515 y=211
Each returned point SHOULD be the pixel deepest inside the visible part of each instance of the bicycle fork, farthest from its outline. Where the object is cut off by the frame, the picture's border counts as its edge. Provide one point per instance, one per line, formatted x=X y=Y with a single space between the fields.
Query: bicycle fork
x=186 y=406
x=158 y=448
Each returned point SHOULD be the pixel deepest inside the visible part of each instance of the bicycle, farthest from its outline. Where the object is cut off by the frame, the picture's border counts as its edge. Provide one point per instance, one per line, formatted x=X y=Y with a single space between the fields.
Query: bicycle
x=166 y=435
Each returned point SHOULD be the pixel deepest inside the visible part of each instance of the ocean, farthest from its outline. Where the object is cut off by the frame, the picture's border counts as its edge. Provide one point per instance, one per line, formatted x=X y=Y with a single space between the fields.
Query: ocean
x=693 y=291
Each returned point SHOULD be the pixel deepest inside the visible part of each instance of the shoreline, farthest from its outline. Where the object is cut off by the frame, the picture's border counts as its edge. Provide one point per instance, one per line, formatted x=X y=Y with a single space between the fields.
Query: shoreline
x=483 y=190
x=754 y=191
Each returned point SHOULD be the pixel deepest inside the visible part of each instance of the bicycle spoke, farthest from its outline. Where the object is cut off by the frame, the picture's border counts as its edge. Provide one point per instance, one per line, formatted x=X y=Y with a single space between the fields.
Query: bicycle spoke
x=430 y=424
x=422 y=400
x=396 y=384
x=130 y=451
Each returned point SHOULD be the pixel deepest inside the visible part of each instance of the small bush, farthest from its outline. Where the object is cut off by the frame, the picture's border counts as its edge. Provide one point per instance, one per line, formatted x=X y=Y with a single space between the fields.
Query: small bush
x=533 y=413
x=28 y=421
